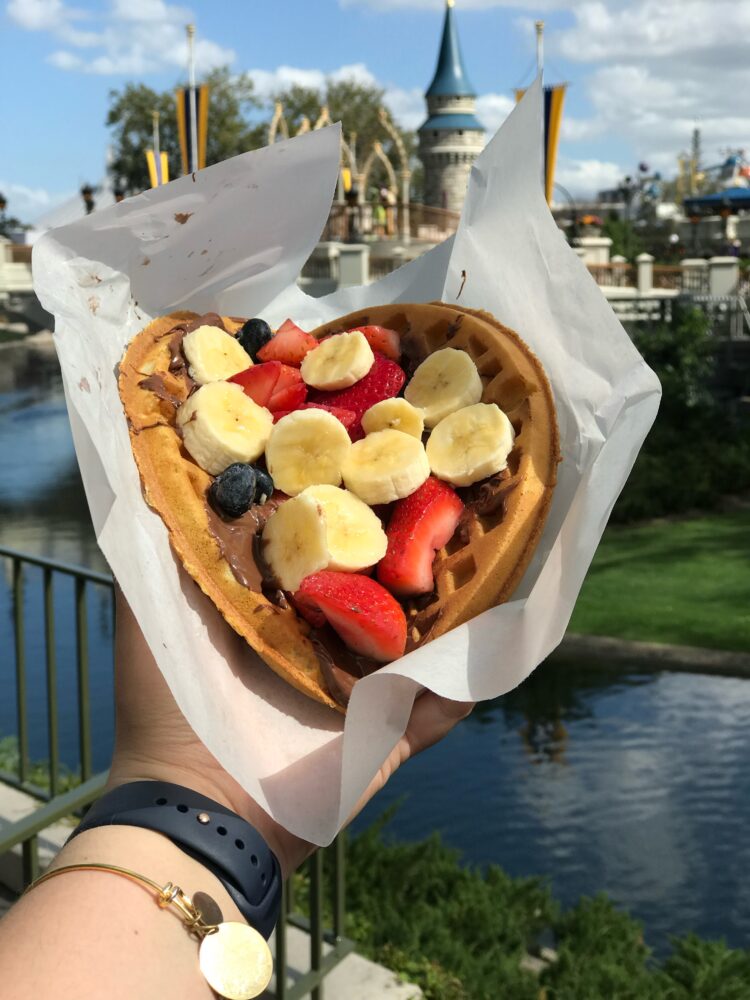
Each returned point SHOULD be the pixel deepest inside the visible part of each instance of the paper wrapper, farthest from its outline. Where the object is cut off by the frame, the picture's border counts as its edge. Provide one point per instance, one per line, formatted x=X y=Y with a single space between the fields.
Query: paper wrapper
x=233 y=239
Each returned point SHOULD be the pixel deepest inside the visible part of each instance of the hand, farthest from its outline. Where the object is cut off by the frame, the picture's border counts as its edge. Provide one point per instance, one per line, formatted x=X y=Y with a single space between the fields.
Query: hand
x=154 y=741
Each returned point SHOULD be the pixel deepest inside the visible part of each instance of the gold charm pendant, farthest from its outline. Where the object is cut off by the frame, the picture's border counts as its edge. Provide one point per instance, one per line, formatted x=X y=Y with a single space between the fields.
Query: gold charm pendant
x=236 y=961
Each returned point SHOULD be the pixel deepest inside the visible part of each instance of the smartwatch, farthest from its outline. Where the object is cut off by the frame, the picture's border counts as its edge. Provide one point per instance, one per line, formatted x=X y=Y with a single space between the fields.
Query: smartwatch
x=223 y=842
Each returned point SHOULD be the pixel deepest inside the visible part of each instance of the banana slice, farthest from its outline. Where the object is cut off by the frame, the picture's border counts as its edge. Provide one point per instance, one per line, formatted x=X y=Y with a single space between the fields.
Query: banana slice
x=294 y=541
x=307 y=447
x=471 y=444
x=355 y=536
x=395 y=414
x=385 y=466
x=214 y=355
x=338 y=362
x=221 y=425
x=445 y=382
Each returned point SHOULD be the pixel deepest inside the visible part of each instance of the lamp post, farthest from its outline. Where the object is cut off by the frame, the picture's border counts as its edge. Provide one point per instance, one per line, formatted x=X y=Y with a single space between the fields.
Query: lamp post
x=3 y=206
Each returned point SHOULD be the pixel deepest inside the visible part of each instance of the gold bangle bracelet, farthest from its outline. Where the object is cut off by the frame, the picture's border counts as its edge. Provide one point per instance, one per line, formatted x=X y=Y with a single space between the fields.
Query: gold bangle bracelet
x=234 y=958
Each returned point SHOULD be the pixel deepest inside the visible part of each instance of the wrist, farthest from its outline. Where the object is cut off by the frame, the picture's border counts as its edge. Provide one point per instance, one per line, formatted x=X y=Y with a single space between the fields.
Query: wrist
x=147 y=853
x=212 y=781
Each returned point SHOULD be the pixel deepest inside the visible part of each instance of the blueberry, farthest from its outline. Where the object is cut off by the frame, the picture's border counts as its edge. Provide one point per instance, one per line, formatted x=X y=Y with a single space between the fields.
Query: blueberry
x=264 y=486
x=253 y=335
x=233 y=491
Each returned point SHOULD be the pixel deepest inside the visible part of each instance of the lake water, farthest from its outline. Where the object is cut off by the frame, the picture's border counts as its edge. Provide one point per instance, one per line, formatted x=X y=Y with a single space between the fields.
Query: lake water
x=634 y=784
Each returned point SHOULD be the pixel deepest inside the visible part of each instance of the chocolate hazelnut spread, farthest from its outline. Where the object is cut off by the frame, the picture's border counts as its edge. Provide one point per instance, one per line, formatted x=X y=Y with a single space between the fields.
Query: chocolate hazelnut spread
x=155 y=383
x=341 y=668
x=488 y=496
x=237 y=541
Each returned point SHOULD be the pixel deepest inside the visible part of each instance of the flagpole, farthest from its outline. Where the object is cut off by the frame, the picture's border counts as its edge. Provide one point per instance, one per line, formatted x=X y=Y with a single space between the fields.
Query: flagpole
x=193 y=112
x=539 y=25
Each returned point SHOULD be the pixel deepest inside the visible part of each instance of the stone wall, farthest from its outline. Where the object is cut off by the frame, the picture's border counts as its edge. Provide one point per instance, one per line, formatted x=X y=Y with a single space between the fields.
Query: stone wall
x=447 y=163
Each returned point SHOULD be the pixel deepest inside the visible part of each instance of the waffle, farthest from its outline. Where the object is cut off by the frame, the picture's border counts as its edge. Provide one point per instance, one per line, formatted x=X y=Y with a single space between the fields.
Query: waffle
x=480 y=566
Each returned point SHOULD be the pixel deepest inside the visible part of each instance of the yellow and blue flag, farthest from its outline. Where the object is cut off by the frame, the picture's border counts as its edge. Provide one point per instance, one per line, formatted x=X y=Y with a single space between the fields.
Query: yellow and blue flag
x=553 y=109
x=158 y=168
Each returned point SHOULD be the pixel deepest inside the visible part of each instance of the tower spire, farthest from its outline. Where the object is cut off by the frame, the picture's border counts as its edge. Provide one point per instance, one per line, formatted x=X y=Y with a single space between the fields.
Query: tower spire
x=452 y=137
x=450 y=76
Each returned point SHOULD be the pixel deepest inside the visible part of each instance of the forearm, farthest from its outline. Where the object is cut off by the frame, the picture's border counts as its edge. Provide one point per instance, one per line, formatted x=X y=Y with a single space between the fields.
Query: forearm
x=86 y=935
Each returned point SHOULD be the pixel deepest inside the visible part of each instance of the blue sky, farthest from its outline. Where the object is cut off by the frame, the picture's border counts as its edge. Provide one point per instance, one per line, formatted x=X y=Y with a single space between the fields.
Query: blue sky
x=642 y=73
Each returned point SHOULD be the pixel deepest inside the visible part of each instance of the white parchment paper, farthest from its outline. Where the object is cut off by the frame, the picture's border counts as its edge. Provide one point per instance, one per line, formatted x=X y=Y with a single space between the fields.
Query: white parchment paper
x=233 y=239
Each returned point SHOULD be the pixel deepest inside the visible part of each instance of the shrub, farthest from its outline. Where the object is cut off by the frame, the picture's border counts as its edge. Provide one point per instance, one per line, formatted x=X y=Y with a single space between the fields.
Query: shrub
x=460 y=933
x=695 y=452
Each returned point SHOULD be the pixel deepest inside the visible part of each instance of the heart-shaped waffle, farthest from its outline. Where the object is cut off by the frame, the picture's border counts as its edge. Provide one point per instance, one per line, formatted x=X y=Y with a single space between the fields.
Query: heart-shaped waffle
x=480 y=566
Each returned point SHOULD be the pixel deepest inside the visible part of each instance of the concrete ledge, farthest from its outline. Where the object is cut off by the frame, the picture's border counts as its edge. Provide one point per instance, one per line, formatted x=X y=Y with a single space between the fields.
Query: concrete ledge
x=651 y=655
x=16 y=805
x=355 y=978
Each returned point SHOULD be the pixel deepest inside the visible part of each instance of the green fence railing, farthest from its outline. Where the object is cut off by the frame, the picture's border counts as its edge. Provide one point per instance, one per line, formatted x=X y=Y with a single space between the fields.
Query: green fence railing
x=327 y=945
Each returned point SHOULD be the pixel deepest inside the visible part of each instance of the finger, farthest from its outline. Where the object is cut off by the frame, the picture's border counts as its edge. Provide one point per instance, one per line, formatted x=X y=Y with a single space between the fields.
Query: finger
x=432 y=718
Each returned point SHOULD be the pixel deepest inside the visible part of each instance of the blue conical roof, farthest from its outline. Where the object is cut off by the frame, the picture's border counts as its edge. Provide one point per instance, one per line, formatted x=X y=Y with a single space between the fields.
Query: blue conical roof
x=450 y=79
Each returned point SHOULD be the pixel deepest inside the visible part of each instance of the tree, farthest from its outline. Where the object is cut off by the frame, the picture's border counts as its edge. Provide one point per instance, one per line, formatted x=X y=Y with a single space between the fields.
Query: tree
x=130 y=117
x=625 y=240
x=357 y=106
x=231 y=129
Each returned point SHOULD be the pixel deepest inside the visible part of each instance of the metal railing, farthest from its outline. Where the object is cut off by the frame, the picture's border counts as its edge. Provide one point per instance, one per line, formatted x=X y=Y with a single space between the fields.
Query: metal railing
x=614 y=275
x=83 y=579
x=668 y=277
x=327 y=945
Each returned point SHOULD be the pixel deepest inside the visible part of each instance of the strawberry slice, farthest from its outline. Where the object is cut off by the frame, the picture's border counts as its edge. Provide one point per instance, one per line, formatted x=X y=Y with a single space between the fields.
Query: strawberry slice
x=384 y=379
x=380 y=338
x=273 y=385
x=347 y=417
x=364 y=615
x=289 y=345
x=420 y=524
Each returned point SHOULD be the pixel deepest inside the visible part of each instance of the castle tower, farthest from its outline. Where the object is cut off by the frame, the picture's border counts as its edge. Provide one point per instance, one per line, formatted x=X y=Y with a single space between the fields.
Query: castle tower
x=452 y=137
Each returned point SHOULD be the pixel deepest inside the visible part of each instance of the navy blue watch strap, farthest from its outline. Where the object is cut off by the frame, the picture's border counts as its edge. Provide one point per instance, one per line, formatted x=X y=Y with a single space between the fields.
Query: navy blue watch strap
x=215 y=836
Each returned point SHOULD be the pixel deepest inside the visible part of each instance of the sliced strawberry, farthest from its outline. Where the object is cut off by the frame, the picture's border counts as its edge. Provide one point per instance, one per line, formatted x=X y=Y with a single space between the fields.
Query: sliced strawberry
x=308 y=608
x=289 y=345
x=420 y=524
x=383 y=380
x=347 y=417
x=366 y=617
x=258 y=381
x=290 y=392
x=272 y=385
x=380 y=338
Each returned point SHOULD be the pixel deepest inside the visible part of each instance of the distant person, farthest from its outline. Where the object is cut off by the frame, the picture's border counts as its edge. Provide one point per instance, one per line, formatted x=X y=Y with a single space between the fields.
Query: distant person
x=379 y=217
x=388 y=200
x=86 y=935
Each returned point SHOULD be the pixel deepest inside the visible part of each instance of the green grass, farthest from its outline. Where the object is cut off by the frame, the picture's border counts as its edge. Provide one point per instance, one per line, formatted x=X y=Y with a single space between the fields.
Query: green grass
x=685 y=582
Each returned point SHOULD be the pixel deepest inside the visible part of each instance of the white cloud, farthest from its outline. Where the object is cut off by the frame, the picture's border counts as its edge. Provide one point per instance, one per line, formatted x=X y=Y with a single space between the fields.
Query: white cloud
x=26 y=203
x=65 y=60
x=653 y=70
x=34 y=15
x=269 y=82
x=406 y=106
x=384 y=5
x=655 y=28
x=584 y=178
x=135 y=37
x=492 y=110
